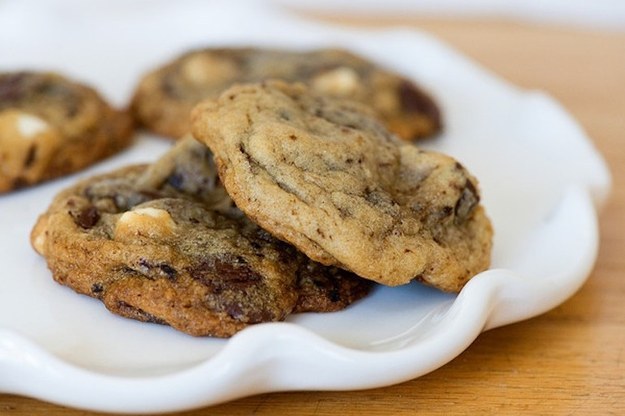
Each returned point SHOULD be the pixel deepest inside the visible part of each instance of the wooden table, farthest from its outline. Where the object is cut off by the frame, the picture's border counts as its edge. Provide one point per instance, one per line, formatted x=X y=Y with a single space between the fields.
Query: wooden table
x=568 y=361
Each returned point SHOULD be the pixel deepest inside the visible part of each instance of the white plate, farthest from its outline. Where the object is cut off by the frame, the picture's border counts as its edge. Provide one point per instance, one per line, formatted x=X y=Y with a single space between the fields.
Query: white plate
x=542 y=182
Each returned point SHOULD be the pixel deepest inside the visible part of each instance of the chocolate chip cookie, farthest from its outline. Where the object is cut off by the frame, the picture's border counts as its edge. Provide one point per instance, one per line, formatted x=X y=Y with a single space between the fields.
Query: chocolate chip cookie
x=165 y=97
x=322 y=174
x=51 y=126
x=164 y=244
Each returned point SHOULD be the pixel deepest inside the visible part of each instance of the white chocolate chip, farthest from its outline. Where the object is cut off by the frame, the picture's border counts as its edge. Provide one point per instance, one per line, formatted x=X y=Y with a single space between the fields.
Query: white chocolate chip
x=27 y=143
x=151 y=212
x=340 y=81
x=205 y=69
x=29 y=126
x=144 y=222
x=39 y=243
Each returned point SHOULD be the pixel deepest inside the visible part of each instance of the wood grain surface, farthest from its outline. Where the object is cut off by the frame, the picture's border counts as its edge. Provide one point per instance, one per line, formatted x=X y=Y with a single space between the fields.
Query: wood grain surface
x=568 y=361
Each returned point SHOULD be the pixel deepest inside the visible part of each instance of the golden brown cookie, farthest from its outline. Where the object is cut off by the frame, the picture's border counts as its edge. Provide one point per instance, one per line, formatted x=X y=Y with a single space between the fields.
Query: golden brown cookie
x=165 y=97
x=51 y=126
x=155 y=245
x=322 y=174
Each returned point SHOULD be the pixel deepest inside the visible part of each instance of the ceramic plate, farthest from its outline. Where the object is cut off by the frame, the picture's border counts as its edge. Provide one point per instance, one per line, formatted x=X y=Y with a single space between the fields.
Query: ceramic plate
x=542 y=182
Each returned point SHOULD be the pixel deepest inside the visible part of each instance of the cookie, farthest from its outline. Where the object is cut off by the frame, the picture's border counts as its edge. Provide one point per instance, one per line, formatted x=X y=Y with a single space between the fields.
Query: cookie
x=322 y=174
x=159 y=248
x=164 y=98
x=51 y=126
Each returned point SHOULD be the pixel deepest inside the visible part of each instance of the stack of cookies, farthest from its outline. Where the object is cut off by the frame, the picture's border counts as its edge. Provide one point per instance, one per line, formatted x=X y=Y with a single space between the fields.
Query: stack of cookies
x=293 y=193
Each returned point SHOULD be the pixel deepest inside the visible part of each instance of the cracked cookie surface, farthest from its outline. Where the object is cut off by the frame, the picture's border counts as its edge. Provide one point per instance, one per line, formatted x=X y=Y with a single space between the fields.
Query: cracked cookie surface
x=164 y=244
x=51 y=126
x=327 y=177
x=164 y=98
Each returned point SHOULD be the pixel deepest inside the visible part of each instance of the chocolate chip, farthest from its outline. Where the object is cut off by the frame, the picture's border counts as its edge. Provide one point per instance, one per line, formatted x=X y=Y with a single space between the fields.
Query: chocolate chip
x=235 y=288
x=153 y=270
x=19 y=182
x=168 y=270
x=30 y=156
x=168 y=85
x=415 y=101
x=234 y=310
x=225 y=272
x=261 y=315
x=252 y=316
x=420 y=277
x=443 y=213
x=176 y=180
x=12 y=87
x=126 y=309
x=467 y=201
x=97 y=288
x=334 y=295
x=86 y=217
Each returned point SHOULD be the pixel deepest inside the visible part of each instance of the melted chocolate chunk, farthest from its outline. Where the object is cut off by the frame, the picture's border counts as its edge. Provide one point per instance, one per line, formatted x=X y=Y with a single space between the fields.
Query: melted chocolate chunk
x=12 y=87
x=415 y=101
x=127 y=309
x=19 y=182
x=236 y=311
x=225 y=272
x=30 y=157
x=85 y=217
x=97 y=289
x=176 y=180
x=467 y=202
x=168 y=270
